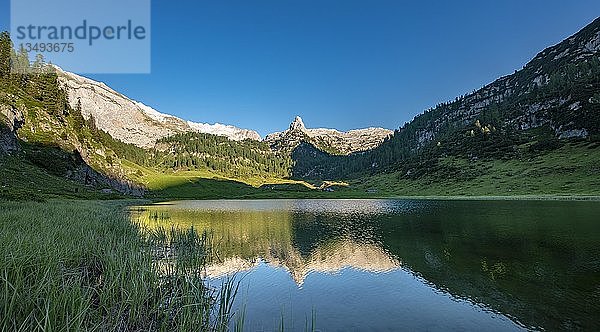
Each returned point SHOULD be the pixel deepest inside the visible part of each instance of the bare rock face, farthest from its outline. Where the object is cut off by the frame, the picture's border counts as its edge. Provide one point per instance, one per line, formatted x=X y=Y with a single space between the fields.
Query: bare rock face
x=10 y=120
x=297 y=124
x=330 y=140
x=133 y=122
x=130 y=121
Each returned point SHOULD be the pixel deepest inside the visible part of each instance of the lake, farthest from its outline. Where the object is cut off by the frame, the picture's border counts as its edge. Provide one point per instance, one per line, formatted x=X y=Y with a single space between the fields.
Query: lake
x=388 y=265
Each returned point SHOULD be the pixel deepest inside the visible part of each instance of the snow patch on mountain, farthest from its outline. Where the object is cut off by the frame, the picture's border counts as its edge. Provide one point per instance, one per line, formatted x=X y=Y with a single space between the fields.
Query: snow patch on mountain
x=131 y=121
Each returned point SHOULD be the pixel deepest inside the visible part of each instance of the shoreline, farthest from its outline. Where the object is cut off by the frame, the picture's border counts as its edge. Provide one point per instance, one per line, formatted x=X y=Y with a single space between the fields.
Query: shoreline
x=575 y=198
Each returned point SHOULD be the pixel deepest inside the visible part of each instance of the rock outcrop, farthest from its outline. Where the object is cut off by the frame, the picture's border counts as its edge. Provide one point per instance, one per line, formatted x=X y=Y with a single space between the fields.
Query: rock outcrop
x=10 y=120
x=130 y=121
x=330 y=140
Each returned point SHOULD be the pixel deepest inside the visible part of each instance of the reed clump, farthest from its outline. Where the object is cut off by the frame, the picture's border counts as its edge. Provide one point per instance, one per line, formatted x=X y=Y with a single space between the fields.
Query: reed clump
x=83 y=265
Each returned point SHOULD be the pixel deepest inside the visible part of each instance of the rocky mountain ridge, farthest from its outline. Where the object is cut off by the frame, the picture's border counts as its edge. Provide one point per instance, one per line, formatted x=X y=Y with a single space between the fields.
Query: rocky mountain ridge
x=136 y=123
x=559 y=79
x=130 y=121
x=331 y=140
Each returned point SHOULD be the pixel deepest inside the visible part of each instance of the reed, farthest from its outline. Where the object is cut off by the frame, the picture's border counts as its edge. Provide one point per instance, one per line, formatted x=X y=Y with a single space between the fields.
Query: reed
x=83 y=265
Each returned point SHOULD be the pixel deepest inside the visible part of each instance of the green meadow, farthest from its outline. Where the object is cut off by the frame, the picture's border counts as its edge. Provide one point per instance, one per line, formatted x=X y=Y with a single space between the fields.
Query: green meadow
x=572 y=170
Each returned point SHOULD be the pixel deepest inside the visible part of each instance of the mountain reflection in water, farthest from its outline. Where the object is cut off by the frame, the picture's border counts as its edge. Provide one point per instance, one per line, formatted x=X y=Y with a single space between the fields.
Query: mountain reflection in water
x=533 y=263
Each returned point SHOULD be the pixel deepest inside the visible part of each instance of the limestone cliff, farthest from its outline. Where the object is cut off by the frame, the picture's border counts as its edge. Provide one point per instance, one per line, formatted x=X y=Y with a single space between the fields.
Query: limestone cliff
x=330 y=140
x=130 y=121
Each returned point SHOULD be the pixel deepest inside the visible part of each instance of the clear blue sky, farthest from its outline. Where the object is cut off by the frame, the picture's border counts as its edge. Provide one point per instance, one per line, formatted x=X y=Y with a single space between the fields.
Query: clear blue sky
x=342 y=64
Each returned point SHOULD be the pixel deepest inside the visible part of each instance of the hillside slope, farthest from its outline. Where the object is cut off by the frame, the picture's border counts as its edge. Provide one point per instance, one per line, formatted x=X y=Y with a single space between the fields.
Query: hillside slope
x=553 y=99
x=47 y=148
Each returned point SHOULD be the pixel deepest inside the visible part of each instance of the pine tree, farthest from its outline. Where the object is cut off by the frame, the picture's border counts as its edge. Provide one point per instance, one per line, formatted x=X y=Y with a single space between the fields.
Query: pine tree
x=21 y=61
x=5 y=54
x=39 y=64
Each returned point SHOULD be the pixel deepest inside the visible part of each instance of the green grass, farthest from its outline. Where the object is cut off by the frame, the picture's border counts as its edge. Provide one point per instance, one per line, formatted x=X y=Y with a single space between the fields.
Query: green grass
x=572 y=170
x=21 y=180
x=204 y=184
x=154 y=180
x=83 y=265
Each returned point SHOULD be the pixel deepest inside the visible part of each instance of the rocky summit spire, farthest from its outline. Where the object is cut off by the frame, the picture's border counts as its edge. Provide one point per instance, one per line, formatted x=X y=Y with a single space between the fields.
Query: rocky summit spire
x=297 y=124
x=329 y=140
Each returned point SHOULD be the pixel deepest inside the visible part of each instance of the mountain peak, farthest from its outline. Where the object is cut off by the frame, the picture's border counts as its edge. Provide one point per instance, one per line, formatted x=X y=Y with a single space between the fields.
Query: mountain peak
x=331 y=140
x=297 y=124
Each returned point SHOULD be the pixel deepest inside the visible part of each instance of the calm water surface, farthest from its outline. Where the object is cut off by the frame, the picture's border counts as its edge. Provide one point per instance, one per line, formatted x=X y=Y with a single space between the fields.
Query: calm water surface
x=388 y=265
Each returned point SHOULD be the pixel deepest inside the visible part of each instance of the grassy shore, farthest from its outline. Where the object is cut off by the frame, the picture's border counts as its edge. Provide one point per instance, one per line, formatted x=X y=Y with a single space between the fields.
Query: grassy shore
x=83 y=265
x=572 y=170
